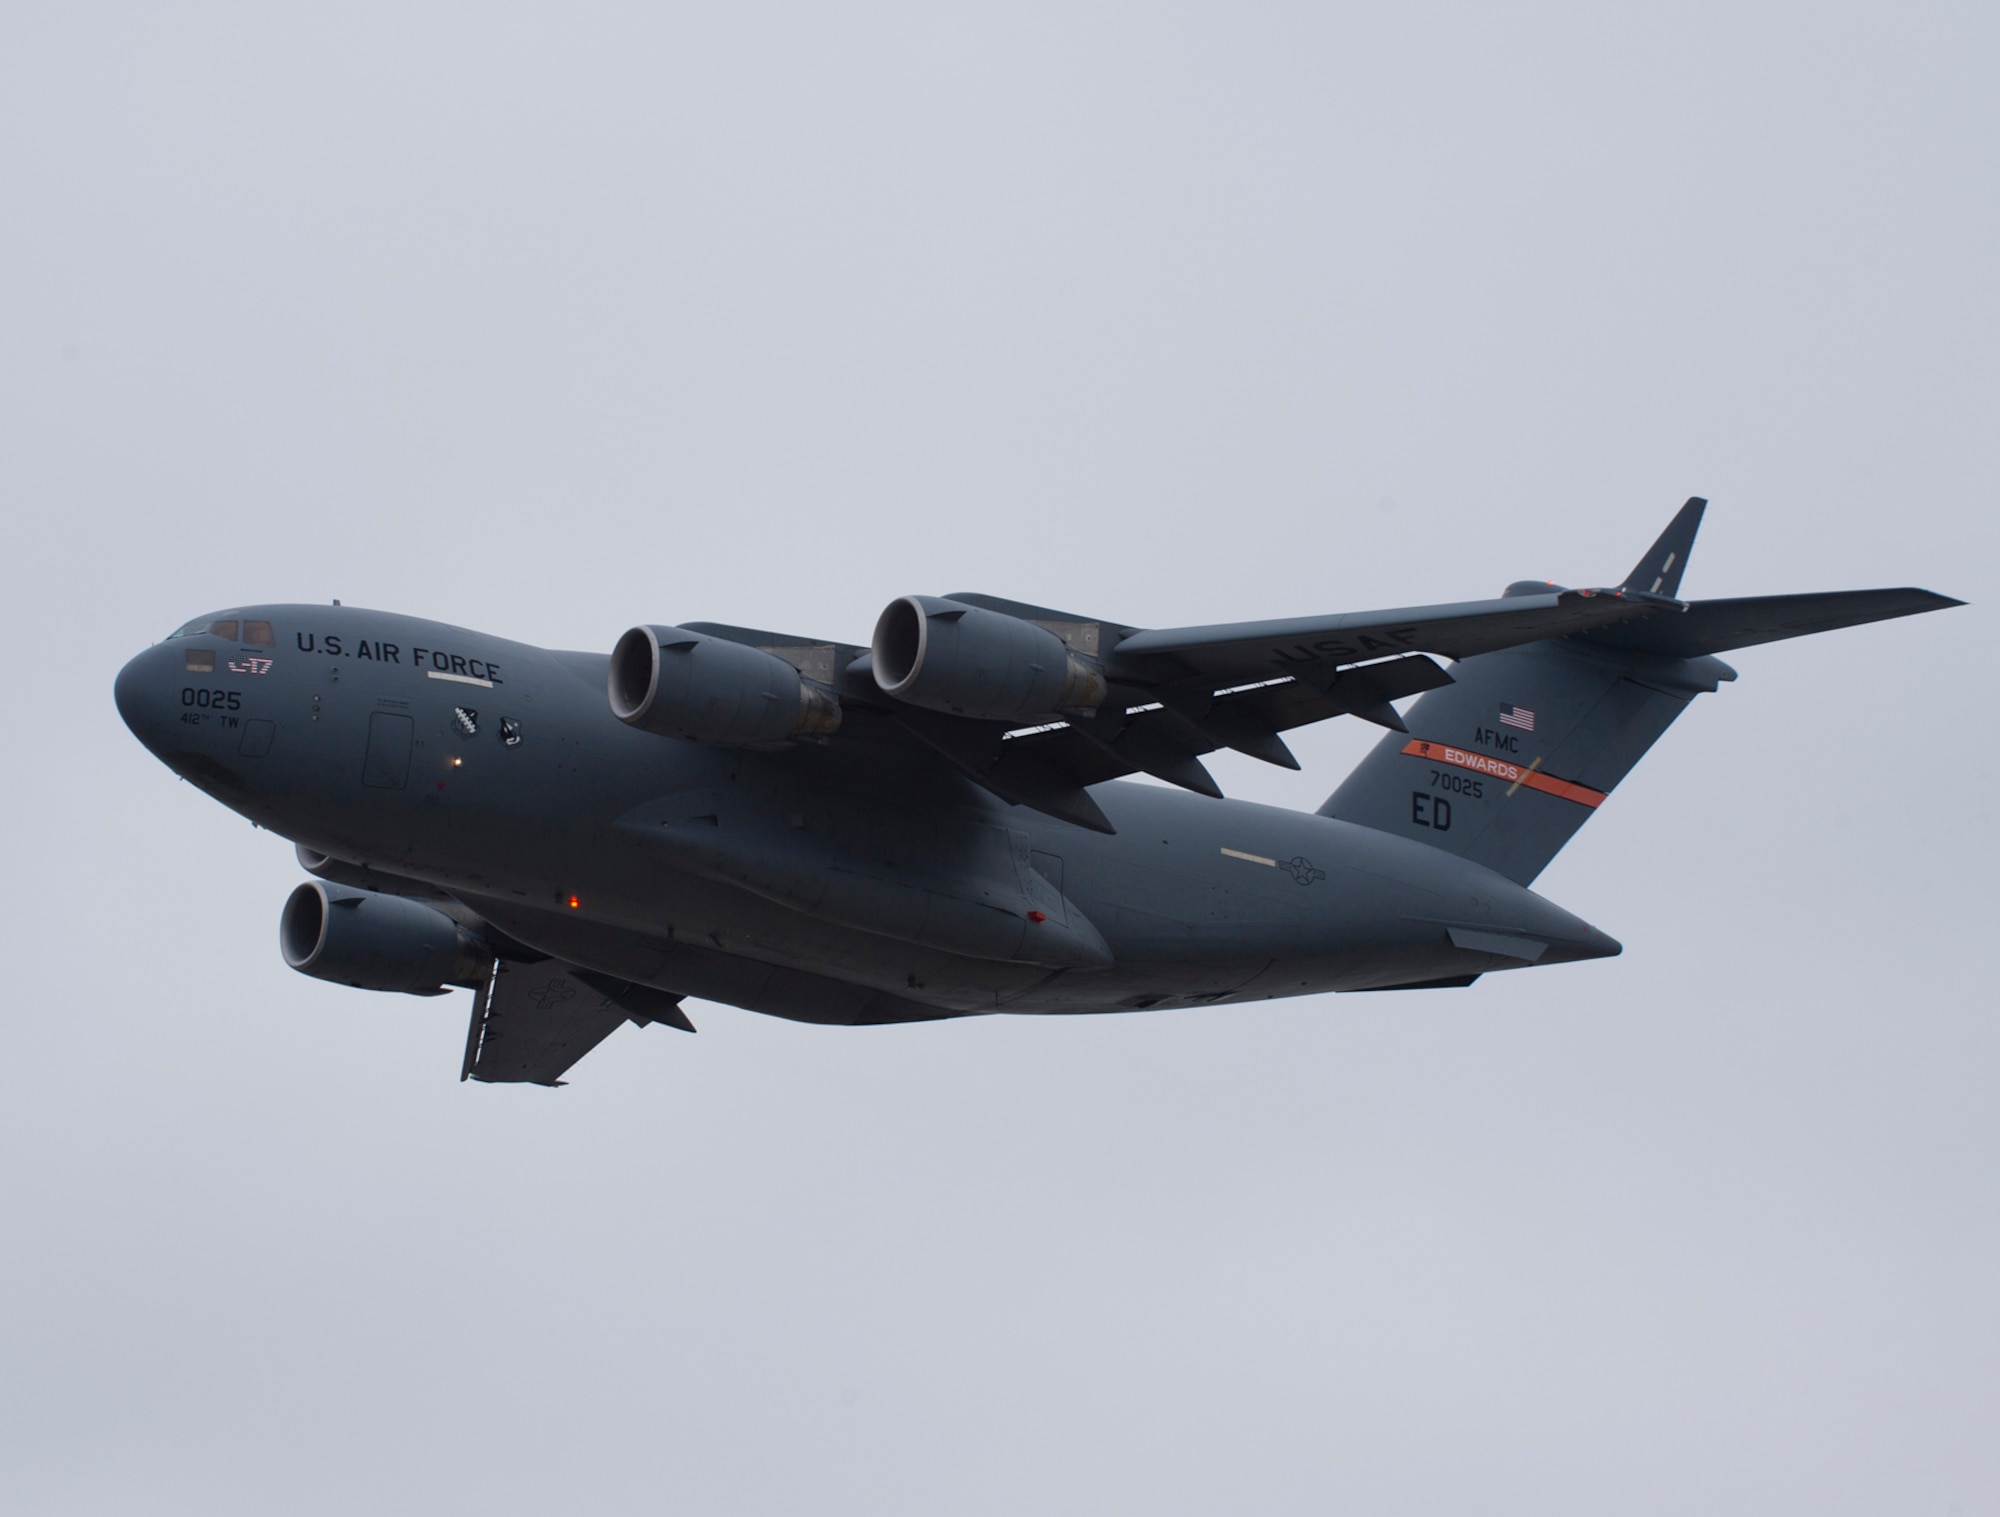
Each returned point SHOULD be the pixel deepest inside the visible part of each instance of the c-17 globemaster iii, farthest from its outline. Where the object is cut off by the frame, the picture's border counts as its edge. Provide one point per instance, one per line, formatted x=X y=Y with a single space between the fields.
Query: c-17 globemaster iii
x=932 y=825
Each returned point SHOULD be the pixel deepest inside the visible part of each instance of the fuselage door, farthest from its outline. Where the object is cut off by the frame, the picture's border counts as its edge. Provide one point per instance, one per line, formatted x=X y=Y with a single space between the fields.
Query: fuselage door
x=387 y=766
x=1050 y=867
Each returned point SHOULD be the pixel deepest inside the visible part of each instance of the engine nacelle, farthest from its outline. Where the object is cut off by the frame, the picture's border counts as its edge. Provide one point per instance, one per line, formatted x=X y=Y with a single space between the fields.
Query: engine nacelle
x=376 y=942
x=948 y=656
x=324 y=866
x=685 y=684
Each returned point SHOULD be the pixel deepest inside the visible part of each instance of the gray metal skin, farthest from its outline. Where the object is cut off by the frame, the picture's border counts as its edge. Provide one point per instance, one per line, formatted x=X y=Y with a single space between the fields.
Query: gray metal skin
x=747 y=876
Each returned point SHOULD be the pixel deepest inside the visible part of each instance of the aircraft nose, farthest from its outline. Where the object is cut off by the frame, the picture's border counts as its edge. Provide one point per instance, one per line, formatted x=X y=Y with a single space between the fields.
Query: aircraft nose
x=141 y=694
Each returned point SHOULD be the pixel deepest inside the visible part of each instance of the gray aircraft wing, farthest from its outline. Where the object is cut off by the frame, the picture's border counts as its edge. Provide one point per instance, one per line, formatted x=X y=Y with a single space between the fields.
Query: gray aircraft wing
x=1181 y=692
x=531 y=1022
x=1252 y=650
x=1178 y=693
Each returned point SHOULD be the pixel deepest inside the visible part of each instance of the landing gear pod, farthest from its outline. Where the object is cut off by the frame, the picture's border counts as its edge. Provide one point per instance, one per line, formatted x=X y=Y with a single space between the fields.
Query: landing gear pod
x=706 y=689
x=968 y=661
x=376 y=942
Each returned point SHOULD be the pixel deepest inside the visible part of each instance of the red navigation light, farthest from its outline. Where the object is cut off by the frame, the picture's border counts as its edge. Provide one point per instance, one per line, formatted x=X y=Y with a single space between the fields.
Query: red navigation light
x=574 y=903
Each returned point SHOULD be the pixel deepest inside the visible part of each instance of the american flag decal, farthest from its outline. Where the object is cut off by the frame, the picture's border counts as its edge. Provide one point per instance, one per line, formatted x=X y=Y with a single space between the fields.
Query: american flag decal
x=1518 y=716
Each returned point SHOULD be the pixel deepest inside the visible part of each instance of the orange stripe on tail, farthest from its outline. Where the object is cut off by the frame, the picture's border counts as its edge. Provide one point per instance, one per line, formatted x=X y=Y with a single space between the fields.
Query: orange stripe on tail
x=1500 y=769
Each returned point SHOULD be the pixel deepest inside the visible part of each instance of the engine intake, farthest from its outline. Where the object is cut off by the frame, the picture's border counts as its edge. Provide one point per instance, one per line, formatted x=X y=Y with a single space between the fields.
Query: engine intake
x=376 y=942
x=948 y=656
x=677 y=683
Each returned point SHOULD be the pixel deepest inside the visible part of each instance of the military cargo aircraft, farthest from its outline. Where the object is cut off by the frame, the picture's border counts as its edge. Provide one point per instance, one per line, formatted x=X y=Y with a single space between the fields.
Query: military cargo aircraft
x=932 y=825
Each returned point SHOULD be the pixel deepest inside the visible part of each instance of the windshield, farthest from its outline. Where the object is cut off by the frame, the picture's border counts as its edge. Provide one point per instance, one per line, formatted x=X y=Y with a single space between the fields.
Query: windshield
x=212 y=628
x=257 y=634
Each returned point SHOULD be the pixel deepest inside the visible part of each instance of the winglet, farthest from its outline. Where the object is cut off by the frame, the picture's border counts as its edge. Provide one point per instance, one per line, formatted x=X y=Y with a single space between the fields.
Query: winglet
x=1659 y=572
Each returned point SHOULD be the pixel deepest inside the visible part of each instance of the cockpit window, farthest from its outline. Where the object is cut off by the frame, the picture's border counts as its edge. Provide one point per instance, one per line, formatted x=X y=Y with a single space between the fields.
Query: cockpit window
x=216 y=629
x=259 y=634
x=201 y=661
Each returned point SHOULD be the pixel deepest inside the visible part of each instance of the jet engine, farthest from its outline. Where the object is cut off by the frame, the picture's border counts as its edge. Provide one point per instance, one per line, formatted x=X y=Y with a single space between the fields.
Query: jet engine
x=948 y=656
x=376 y=942
x=684 y=684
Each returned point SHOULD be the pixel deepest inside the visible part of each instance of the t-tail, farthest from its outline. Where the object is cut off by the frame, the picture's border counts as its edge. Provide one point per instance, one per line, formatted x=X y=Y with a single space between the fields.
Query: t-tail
x=1504 y=764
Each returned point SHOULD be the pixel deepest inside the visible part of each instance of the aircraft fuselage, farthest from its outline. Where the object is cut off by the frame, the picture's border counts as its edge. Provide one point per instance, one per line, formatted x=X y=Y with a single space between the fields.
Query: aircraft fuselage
x=858 y=881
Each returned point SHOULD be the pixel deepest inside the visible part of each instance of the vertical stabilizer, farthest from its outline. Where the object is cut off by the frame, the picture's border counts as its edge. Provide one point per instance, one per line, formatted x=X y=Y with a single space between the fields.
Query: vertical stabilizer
x=1506 y=763
x=1503 y=765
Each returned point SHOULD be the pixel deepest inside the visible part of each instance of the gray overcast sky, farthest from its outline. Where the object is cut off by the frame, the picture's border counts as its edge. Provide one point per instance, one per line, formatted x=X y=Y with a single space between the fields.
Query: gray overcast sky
x=549 y=321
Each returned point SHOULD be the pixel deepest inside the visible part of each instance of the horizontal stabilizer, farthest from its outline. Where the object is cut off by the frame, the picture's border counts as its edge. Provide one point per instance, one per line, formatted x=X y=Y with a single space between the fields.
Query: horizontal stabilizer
x=1716 y=626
